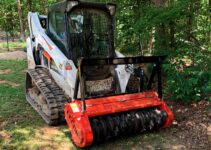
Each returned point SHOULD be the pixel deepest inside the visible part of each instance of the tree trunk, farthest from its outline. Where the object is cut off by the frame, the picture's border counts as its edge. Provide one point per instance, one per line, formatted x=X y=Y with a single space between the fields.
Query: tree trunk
x=8 y=48
x=189 y=22
x=43 y=4
x=140 y=44
x=209 y=20
x=29 y=4
x=20 y=13
x=172 y=32
x=161 y=38
x=158 y=3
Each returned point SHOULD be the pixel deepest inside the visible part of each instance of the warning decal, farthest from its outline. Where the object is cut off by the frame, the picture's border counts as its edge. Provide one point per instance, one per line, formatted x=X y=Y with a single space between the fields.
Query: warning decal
x=74 y=107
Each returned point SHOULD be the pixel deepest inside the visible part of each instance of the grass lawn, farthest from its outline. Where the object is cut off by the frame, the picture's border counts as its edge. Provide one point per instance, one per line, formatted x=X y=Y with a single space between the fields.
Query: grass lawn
x=22 y=128
x=12 y=46
x=5 y=51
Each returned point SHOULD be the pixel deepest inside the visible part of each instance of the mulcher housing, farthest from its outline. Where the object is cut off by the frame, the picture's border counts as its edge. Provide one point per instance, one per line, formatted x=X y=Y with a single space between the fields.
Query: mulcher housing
x=75 y=74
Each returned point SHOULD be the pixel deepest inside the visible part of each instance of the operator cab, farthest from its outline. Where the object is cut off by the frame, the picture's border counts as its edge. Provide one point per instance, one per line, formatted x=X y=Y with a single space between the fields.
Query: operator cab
x=82 y=29
x=85 y=30
x=89 y=33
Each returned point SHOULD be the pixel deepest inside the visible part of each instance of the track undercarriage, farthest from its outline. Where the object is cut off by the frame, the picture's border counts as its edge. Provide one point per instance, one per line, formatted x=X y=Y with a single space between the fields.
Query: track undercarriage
x=45 y=96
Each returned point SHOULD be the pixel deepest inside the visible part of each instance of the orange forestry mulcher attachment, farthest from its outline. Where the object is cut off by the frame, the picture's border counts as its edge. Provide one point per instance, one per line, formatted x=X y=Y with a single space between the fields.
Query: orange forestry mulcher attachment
x=81 y=124
x=95 y=120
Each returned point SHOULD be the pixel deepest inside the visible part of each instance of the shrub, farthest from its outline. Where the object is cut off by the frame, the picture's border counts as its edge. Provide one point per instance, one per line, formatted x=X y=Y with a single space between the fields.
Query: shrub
x=188 y=75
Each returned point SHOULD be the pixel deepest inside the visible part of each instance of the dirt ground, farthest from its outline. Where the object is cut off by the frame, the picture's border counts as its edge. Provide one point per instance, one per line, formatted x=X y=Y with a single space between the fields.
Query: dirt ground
x=191 y=130
x=13 y=55
x=9 y=83
x=192 y=125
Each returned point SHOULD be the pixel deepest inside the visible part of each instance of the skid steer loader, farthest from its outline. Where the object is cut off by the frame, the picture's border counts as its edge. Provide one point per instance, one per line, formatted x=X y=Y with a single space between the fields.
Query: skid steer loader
x=75 y=74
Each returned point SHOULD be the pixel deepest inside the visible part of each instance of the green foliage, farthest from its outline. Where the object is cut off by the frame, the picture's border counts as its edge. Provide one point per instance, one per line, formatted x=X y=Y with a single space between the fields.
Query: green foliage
x=188 y=75
x=9 y=16
x=13 y=45
x=9 y=19
x=179 y=28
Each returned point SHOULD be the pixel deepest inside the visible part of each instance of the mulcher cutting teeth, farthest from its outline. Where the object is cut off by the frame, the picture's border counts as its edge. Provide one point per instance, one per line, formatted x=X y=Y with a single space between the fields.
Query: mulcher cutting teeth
x=137 y=121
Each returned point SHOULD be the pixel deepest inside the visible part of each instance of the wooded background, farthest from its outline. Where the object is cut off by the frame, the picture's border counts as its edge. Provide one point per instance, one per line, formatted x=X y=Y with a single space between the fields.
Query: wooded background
x=179 y=28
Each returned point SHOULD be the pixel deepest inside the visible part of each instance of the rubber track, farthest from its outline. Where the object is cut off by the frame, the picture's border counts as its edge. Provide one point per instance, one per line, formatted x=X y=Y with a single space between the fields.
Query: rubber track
x=54 y=96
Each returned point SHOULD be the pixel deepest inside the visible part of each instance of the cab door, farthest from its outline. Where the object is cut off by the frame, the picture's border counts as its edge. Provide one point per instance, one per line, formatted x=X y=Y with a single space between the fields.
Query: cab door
x=56 y=30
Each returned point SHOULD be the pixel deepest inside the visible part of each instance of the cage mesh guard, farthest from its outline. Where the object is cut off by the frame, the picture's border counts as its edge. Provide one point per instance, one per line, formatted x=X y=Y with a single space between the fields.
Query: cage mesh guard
x=89 y=30
x=99 y=87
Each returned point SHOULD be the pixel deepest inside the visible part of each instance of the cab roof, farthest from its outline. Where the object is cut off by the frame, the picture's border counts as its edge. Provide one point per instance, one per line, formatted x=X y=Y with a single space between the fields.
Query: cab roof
x=68 y=5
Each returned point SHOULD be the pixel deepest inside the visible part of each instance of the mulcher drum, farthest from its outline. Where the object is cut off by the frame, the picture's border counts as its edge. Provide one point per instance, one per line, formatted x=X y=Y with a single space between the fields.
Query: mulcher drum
x=137 y=121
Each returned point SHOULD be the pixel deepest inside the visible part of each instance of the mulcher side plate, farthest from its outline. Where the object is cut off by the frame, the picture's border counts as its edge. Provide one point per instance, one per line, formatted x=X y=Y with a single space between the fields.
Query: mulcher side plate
x=110 y=117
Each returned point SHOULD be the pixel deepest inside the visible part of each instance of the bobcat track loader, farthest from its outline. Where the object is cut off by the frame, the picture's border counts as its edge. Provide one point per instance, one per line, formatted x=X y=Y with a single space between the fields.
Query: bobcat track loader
x=75 y=75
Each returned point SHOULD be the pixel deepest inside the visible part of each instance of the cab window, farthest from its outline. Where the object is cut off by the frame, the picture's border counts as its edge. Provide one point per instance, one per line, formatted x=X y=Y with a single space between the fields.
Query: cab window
x=57 y=30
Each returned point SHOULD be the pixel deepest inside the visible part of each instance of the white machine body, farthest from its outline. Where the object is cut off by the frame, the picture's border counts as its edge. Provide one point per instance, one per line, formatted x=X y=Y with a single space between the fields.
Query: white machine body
x=62 y=69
